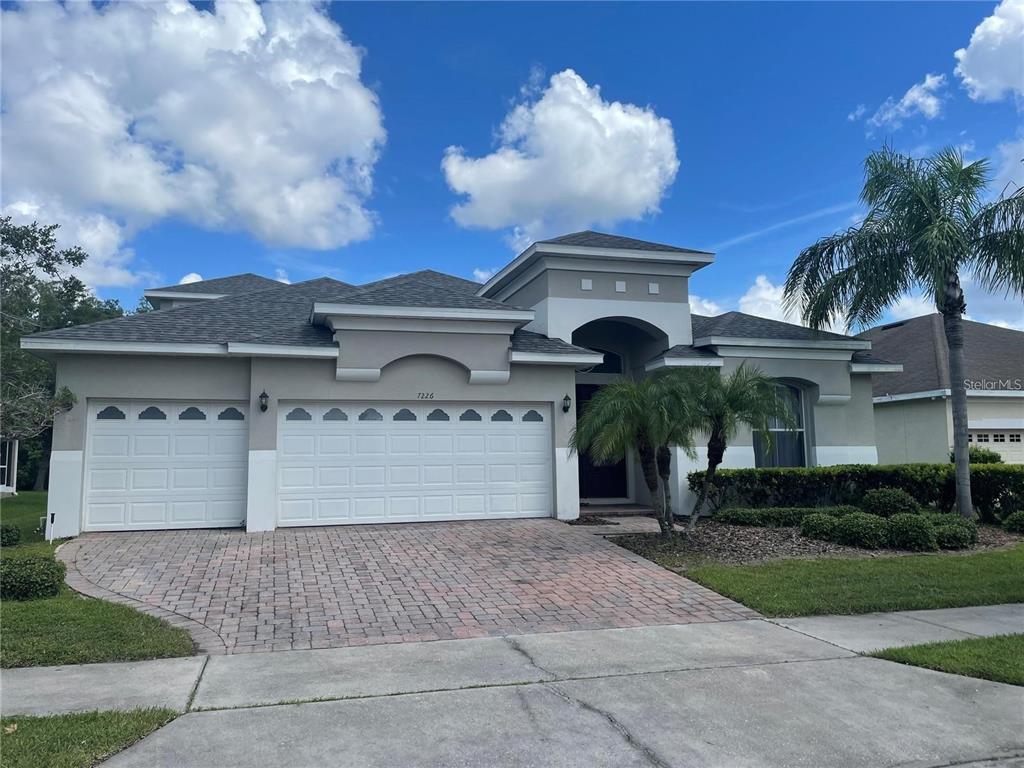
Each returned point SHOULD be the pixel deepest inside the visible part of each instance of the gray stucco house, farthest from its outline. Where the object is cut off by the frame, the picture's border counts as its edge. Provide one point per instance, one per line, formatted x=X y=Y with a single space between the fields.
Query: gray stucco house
x=913 y=413
x=243 y=401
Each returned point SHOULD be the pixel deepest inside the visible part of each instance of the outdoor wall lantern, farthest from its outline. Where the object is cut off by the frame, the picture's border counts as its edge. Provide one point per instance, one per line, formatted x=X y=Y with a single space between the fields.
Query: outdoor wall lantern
x=264 y=399
x=566 y=404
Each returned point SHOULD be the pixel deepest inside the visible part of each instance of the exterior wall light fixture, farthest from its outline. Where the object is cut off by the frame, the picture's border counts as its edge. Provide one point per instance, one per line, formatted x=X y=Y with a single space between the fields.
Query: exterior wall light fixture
x=566 y=404
x=264 y=400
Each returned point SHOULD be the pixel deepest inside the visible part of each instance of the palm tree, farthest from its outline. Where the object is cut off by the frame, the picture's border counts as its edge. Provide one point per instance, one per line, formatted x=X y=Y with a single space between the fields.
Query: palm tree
x=645 y=417
x=722 y=404
x=926 y=226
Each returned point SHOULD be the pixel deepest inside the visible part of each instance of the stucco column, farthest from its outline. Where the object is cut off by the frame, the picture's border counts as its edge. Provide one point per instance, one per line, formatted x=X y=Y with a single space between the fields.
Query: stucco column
x=566 y=464
x=261 y=496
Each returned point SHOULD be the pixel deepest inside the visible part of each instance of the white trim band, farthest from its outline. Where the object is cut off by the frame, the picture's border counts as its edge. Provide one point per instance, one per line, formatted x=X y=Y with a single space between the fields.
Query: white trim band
x=321 y=309
x=876 y=368
x=729 y=341
x=934 y=393
x=555 y=358
x=159 y=348
x=684 y=362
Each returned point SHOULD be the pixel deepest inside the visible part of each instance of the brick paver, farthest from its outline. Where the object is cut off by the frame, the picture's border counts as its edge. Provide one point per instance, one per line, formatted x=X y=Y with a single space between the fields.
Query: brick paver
x=360 y=585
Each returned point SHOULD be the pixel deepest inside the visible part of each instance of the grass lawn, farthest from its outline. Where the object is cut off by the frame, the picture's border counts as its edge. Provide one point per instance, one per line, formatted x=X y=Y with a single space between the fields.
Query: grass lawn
x=24 y=511
x=864 y=585
x=75 y=741
x=999 y=658
x=70 y=628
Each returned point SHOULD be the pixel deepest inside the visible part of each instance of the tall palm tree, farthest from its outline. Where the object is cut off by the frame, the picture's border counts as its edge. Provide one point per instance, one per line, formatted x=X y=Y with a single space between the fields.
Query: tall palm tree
x=645 y=417
x=926 y=226
x=722 y=404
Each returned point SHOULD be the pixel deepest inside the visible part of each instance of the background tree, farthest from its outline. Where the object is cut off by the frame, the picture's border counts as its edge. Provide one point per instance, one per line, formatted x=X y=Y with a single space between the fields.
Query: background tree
x=646 y=418
x=722 y=404
x=926 y=227
x=37 y=293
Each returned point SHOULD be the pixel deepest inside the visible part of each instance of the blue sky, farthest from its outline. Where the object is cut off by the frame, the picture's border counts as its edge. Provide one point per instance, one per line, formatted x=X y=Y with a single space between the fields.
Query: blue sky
x=770 y=109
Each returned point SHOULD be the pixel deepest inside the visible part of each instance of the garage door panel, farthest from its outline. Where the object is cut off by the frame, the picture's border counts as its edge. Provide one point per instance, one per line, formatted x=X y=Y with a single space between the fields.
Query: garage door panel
x=410 y=463
x=165 y=465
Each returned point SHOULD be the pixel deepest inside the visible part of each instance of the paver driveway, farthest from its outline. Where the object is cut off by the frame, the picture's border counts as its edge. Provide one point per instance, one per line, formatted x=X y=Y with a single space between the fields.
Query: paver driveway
x=360 y=585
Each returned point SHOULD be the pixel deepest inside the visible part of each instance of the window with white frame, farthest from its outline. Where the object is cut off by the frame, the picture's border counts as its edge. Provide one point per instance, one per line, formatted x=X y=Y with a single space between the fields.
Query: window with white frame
x=1015 y=437
x=983 y=437
x=788 y=444
x=999 y=438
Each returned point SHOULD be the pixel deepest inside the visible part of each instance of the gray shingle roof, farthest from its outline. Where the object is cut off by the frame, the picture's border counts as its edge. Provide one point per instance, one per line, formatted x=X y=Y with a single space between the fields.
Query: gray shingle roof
x=919 y=344
x=233 y=284
x=684 y=350
x=528 y=341
x=590 y=239
x=865 y=357
x=278 y=315
x=421 y=289
x=742 y=326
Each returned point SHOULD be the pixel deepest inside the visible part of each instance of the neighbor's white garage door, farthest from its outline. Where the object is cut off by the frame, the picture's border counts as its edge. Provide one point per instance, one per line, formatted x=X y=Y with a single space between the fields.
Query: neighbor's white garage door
x=165 y=465
x=343 y=463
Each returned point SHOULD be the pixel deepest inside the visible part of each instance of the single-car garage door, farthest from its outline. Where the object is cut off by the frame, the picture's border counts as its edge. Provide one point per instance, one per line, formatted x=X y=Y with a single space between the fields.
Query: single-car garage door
x=160 y=464
x=346 y=462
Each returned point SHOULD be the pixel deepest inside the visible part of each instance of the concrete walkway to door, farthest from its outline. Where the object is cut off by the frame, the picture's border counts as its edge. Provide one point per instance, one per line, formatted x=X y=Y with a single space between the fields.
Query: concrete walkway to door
x=306 y=588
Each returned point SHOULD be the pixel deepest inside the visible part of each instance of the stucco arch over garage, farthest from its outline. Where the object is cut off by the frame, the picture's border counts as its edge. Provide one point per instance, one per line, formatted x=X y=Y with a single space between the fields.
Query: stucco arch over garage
x=363 y=354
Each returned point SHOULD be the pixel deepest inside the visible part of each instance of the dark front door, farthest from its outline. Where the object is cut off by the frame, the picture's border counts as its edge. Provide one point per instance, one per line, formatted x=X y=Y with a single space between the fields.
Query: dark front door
x=598 y=481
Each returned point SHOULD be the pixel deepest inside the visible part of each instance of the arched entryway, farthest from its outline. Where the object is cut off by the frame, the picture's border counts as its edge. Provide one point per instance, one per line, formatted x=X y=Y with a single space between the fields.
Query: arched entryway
x=627 y=344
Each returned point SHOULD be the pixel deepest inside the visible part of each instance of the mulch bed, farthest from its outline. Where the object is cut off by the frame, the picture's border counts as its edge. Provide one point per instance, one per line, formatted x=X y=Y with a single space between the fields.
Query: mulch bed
x=713 y=542
x=590 y=520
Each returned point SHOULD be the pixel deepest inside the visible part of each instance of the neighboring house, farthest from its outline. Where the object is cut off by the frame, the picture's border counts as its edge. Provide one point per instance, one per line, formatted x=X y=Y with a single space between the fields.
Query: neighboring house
x=8 y=466
x=418 y=397
x=913 y=414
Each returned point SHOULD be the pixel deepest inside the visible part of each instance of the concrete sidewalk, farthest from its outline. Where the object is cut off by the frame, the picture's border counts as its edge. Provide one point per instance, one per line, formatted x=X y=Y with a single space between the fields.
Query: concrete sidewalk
x=876 y=631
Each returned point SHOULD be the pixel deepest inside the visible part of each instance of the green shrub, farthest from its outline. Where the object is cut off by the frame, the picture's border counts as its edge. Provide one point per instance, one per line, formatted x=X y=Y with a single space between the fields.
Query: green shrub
x=955 y=536
x=30 y=577
x=911 y=532
x=772 y=517
x=979 y=455
x=860 y=529
x=1014 y=523
x=820 y=525
x=886 y=502
x=997 y=489
x=10 y=535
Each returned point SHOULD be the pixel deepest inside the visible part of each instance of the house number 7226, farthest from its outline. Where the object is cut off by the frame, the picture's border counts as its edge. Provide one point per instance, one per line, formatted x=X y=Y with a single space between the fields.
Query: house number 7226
x=424 y=395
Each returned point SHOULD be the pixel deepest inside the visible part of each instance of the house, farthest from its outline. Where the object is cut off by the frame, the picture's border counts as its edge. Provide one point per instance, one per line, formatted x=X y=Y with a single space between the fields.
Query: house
x=913 y=413
x=418 y=397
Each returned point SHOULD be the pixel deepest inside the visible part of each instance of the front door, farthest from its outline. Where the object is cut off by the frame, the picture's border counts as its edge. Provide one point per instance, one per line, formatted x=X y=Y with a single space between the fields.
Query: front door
x=598 y=481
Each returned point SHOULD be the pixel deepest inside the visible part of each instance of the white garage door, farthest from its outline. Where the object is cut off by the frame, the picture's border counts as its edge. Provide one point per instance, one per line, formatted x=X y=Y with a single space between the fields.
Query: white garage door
x=165 y=465
x=344 y=463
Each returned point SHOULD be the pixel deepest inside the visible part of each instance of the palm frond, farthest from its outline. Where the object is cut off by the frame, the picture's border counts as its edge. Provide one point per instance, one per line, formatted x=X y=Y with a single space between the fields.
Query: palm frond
x=997 y=248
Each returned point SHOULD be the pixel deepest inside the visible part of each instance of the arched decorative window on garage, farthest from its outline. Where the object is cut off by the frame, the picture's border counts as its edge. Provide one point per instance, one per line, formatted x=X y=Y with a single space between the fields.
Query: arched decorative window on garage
x=788 y=441
x=191 y=414
x=470 y=415
x=230 y=414
x=371 y=414
x=437 y=415
x=152 y=413
x=298 y=414
x=532 y=415
x=404 y=415
x=335 y=414
x=110 y=412
x=501 y=415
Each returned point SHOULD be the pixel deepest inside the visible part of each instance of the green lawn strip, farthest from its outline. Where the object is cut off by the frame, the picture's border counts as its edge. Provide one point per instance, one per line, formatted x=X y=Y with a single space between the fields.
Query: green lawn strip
x=999 y=658
x=865 y=585
x=24 y=511
x=72 y=629
x=75 y=741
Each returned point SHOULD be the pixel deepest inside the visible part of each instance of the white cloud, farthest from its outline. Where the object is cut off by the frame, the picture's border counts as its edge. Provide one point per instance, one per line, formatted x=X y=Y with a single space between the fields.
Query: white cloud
x=764 y=299
x=857 y=113
x=1009 y=175
x=191 y=277
x=924 y=98
x=281 y=276
x=705 y=307
x=992 y=64
x=567 y=159
x=912 y=306
x=483 y=275
x=249 y=117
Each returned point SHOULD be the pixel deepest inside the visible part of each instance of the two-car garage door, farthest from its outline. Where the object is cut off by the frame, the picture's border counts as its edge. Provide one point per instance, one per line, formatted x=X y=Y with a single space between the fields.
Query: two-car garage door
x=349 y=462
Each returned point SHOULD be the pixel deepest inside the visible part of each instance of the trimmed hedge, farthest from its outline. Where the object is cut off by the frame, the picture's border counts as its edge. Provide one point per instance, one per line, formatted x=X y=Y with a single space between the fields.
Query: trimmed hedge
x=997 y=489
x=30 y=577
x=1014 y=523
x=10 y=535
x=821 y=526
x=955 y=536
x=912 y=532
x=776 y=517
x=859 y=529
x=886 y=502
